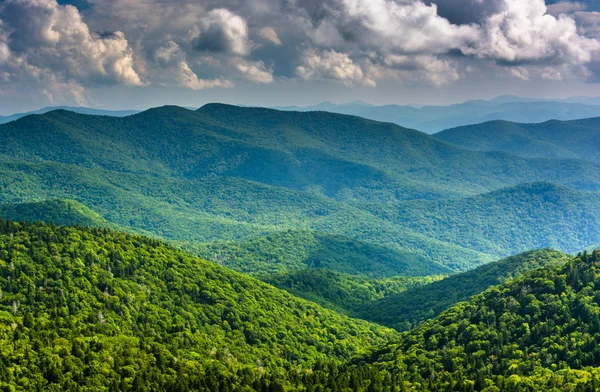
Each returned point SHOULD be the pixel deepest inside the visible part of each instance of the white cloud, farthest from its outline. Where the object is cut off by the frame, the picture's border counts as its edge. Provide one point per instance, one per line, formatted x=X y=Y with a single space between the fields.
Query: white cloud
x=565 y=7
x=187 y=78
x=524 y=32
x=256 y=72
x=269 y=34
x=222 y=31
x=331 y=65
x=43 y=41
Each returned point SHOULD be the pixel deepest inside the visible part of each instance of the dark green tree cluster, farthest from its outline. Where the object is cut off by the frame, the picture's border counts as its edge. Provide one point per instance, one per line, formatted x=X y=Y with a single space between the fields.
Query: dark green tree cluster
x=346 y=293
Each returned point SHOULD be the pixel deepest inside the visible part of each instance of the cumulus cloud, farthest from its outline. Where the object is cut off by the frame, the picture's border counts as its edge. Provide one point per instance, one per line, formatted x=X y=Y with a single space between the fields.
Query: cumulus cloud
x=187 y=78
x=256 y=72
x=524 y=32
x=268 y=33
x=566 y=7
x=221 y=31
x=333 y=65
x=42 y=40
x=210 y=43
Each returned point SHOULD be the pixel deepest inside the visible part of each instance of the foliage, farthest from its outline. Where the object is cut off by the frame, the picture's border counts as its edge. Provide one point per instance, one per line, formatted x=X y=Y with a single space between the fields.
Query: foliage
x=342 y=292
x=576 y=139
x=411 y=307
x=94 y=309
x=231 y=174
x=58 y=211
x=293 y=250
x=537 y=332
x=507 y=221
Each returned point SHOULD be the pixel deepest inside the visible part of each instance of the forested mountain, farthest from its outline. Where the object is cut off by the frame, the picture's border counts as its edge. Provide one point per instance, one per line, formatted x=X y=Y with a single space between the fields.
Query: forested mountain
x=540 y=332
x=345 y=293
x=244 y=174
x=94 y=309
x=432 y=119
x=294 y=250
x=552 y=139
x=411 y=307
x=58 y=211
x=506 y=221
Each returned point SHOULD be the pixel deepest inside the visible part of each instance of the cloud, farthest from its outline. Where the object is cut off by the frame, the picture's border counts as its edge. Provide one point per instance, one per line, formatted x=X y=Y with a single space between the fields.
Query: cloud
x=524 y=33
x=195 y=44
x=565 y=7
x=268 y=33
x=187 y=78
x=41 y=40
x=221 y=31
x=330 y=64
x=256 y=72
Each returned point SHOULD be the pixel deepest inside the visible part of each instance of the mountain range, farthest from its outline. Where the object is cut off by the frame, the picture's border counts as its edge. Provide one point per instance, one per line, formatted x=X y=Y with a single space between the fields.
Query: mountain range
x=433 y=119
x=577 y=139
x=249 y=249
x=234 y=174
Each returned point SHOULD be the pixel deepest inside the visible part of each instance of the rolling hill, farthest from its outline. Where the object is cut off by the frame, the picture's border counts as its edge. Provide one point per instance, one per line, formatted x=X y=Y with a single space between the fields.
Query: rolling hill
x=59 y=211
x=411 y=307
x=506 y=221
x=232 y=174
x=75 y=109
x=552 y=139
x=101 y=310
x=537 y=332
x=294 y=250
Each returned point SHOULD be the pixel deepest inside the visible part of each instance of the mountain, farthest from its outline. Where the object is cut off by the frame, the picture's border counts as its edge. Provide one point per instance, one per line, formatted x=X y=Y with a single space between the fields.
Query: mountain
x=415 y=305
x=294 y=250
x=230 y=174
x=506 y=221
x=552 y=139
x=539 y=332
x=342 y=292
x=58 y=211
x=75 y=109
x=95 y=309
x=432 y=119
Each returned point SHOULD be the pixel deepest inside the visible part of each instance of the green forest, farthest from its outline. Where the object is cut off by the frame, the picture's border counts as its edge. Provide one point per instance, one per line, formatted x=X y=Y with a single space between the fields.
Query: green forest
x=248 y=249
x=94 y=309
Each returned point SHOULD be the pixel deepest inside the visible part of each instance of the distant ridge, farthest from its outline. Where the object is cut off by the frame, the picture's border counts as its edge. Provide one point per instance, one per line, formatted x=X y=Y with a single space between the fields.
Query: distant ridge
x=578 y=139
x=75 y=109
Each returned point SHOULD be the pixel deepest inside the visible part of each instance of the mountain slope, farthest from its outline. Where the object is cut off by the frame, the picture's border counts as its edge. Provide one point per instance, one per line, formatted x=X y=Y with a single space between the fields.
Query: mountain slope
x=294 y=250
x=75 y=109
x=58 y=211
x=507 y=221
x=98 y=310
x=537 y=332
x=231 y=173
x=413 y=306
x=553 y=139
x=341 y=292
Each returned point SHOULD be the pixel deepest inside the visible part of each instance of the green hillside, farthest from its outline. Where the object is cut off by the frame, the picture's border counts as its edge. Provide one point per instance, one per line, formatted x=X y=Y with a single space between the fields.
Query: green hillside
x=507 y=221
x=412 y=307
x=540 y=332
x=94 y=309
x=552 y=139
x=234 y=174
x=294 y=250
x=342 y=292
x=58 y=211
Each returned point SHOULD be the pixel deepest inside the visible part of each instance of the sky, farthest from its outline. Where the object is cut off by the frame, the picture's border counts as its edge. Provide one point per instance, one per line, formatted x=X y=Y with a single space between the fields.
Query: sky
x=135 y=54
